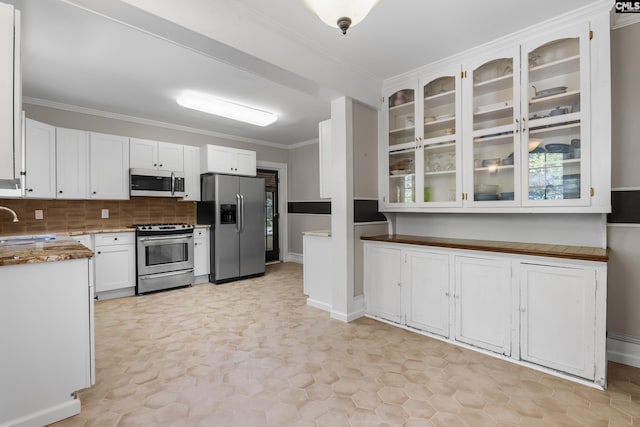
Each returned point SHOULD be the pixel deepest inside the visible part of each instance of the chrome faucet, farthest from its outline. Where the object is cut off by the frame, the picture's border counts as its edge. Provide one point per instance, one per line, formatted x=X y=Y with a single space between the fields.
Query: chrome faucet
x=15 y=217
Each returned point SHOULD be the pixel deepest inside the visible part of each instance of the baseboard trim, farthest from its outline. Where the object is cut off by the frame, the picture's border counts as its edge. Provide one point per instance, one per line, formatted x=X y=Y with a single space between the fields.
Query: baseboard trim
x=356 y=312
x=319 y=304
x=623 y=349
x=293 y=257
x=47 y=416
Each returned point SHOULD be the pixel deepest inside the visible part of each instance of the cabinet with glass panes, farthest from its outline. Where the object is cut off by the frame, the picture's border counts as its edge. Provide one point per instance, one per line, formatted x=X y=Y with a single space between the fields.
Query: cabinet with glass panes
x=423 y=154
x=512 y=130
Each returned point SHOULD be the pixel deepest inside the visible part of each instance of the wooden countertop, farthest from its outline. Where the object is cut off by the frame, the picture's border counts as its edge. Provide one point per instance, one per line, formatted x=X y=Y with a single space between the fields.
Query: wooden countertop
x=586 y=253
x=61 y=249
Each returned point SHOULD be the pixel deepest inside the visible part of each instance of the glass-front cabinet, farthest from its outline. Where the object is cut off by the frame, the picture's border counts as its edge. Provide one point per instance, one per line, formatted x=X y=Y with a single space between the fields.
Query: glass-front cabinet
x=402 y=146
x=556 y=105
x=423 y=129
x=509 y=129
x=492 y=131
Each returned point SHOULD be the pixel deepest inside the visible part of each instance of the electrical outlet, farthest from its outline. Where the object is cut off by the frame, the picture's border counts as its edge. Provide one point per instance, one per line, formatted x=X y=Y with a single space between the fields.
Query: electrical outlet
x=39 y=214
x=105 y=213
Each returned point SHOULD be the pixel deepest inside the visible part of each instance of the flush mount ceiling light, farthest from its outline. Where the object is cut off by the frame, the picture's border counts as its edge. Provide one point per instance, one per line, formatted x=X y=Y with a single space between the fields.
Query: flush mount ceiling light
x=224 y=108
x=341 y=13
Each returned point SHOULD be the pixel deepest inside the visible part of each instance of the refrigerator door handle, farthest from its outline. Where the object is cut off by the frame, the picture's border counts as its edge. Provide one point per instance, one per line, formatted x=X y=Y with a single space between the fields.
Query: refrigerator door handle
x=242 y=213
x=239 y=216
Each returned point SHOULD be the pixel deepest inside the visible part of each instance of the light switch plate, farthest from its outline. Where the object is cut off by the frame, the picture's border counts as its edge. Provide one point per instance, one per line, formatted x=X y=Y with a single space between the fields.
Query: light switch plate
x=105 y=213
x=39 y=214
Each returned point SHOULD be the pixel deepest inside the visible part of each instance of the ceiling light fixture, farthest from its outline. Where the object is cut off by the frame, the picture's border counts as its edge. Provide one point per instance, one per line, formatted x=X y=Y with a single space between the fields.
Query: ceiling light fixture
x=224 y=108
x=341 y=13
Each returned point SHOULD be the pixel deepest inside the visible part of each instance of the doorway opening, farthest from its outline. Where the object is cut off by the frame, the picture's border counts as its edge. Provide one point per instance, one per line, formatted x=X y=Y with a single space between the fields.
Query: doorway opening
x=272 y=215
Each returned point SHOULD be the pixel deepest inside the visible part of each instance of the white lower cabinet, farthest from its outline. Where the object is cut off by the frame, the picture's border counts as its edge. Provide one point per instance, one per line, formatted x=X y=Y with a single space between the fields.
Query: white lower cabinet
x=544 y=312
x=482 y=303
x=557 y=308
x=115 y=265
x=201 y=258
x=383 y=281
x=427 y=302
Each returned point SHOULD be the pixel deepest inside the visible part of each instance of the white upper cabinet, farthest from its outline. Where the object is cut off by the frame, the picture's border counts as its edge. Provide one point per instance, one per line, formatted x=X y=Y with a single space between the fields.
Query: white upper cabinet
x=147 y=154
x=40 y=180
x=492 y=130
x=191 y=173
x=227 y=160
x=509 y=127
x=72 y=164
x=109 y=164
x=10 y=96
x=556 y=102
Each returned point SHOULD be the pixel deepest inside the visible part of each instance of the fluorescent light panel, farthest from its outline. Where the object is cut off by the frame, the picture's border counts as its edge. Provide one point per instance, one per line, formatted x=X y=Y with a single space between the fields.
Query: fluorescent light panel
x=224 y=108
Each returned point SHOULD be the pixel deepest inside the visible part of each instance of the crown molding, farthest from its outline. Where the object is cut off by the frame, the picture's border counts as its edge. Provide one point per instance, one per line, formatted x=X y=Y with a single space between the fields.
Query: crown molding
x=149 y=122
x=619 y=20
x=303 y=143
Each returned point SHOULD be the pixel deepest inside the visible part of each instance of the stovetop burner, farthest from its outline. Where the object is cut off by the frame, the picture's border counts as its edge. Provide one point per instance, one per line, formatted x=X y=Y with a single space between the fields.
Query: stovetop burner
x=163 y=226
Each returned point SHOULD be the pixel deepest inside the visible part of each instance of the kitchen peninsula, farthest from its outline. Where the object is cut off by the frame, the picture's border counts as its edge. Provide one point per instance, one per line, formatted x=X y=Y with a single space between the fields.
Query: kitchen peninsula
x=46 y=328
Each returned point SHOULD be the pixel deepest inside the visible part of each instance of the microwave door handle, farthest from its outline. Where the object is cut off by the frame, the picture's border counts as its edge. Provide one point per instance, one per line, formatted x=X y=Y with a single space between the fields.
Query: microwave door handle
x=173 y=183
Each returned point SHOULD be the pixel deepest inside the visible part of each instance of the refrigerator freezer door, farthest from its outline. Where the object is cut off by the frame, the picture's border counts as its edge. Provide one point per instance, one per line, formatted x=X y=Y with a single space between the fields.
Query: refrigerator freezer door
x=227 y=249
x=252 y=226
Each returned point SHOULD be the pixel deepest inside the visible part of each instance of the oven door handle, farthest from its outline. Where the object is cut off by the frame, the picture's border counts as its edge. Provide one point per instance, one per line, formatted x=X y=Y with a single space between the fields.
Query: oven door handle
x=172 y=237
x=158 y=275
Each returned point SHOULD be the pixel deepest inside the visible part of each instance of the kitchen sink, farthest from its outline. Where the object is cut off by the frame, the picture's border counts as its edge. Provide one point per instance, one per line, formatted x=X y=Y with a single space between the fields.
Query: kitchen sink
x=25 y=240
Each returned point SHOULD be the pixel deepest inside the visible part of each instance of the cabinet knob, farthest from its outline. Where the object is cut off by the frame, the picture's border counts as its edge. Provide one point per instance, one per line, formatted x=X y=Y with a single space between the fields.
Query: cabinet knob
x=399 y=284
x=94 y=192
x=447 y=294
x=99 y=252
x=115 y=238
x=160 y=164
x=30 y=190
x=155 y=164
x=60 y=191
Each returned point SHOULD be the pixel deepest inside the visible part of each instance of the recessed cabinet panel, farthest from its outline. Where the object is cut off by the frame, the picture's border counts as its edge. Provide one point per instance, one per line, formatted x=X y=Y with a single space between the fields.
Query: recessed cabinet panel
x=109 y=166
x=72 y=164
x=483 y=303
x=40 y=150
x=383 y=278
x=428 y=291
x=558 y=305
x=191 y=173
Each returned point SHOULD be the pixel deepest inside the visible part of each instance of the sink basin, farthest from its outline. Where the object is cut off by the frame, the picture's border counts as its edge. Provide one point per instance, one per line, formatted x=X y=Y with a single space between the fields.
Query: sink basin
x=25 y=240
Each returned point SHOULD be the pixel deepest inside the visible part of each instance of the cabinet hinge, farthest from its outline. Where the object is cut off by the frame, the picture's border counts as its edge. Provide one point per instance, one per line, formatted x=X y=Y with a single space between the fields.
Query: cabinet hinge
x=590 y=35
x=592 y=191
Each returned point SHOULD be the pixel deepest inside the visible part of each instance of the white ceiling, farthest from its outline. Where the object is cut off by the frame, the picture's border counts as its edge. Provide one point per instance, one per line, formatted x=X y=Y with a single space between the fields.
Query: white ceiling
x=132 y=57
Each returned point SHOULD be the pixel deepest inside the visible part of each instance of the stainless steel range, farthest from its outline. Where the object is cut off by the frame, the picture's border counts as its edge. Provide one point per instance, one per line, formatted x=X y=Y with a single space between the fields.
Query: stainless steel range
x=164 y=254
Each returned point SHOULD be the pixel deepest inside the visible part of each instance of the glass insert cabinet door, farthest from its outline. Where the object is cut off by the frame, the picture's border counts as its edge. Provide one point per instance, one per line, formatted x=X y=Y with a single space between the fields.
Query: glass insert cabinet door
x=493 y=111
x=439 y=146
x=402 y=146
x=555 y=85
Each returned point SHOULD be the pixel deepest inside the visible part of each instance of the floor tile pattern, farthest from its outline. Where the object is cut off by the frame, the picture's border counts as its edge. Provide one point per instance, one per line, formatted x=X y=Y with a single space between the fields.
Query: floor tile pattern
x=251 y=353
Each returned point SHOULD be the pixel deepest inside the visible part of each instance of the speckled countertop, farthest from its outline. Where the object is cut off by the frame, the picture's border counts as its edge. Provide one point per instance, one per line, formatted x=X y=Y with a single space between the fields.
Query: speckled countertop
x=29 y=252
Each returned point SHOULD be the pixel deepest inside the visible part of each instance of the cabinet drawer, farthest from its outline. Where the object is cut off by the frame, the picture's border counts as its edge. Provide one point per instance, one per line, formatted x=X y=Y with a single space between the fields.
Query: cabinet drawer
x=107 y=239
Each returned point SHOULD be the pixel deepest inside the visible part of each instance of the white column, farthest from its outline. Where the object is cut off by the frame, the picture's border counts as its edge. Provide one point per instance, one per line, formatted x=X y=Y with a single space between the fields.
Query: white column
x=342 y=209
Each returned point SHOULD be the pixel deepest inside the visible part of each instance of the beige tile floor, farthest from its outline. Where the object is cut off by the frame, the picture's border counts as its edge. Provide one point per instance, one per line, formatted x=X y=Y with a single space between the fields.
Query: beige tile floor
x=251 y=353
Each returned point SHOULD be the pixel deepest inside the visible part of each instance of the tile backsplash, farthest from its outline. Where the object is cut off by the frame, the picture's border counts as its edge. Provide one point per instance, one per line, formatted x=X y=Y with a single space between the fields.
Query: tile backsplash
x=61 y=216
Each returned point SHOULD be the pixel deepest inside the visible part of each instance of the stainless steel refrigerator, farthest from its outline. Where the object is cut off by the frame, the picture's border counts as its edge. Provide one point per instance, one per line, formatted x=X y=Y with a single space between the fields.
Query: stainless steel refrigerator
x=234 y=206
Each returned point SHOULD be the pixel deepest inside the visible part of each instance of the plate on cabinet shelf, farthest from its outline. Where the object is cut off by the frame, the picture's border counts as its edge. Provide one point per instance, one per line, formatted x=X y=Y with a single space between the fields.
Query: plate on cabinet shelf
x=548 y=92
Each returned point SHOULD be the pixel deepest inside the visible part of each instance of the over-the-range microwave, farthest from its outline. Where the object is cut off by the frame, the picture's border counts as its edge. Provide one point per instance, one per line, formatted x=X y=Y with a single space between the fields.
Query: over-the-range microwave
x=156 y=183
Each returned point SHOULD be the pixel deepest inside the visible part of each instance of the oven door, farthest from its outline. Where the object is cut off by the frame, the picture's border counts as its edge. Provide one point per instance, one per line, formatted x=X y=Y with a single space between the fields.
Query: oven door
x=161 y=254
